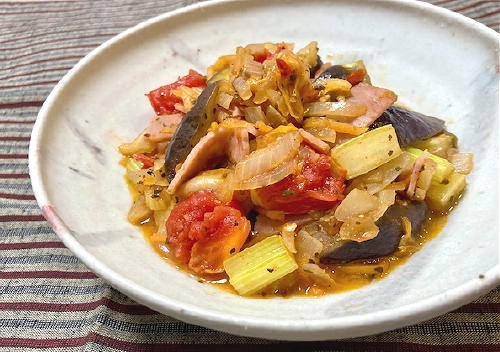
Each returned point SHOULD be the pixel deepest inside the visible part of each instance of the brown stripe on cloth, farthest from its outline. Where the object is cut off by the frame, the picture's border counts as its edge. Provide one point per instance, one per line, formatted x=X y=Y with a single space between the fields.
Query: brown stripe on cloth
x=21 y=218
x=47 y=275
x=31 y=245
x=22 y=104
x=132 y=309
x=49 y=299
x=15 y=176
x=226 y=347
x=17 y=196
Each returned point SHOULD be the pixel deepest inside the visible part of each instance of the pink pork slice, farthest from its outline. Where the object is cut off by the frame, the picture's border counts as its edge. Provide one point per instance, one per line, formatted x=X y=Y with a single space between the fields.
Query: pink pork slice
x=230 y=142
x=376 y=100
x=161 y=128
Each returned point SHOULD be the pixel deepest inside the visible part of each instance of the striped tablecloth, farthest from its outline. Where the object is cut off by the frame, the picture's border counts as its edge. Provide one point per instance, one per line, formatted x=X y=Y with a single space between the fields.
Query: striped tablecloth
x=48 y=298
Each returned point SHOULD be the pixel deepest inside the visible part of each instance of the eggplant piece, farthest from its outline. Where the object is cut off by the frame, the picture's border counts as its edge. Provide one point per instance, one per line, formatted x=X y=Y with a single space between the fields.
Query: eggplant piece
x=335 y=71
x=343 y=71
x=193 y=126
x=390 y=232
x=410 y=126
x=316 y=67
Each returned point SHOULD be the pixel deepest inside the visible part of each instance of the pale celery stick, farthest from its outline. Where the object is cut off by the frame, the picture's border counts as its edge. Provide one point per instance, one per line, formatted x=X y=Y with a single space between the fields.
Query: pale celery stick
x=156 y=199
x=134 y=165
x=443 y=196
x=444 y=167
x=367 y=151
x=259 y=265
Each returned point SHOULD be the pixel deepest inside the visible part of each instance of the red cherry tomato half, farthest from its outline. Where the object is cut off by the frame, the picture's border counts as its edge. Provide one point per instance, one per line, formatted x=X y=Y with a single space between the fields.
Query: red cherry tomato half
x=163 y=100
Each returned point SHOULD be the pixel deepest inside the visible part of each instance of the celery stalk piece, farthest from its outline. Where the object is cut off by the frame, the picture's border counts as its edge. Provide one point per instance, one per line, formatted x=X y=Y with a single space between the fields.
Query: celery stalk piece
x=367 y=151
x=444 y=167
x=134 y=165
x=437 y=145
x=156 y=199
x=443 y=196
x=259 y=265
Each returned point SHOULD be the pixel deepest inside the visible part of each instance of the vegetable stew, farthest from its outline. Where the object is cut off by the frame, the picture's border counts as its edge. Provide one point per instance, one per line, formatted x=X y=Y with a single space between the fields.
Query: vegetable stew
x=278 y=174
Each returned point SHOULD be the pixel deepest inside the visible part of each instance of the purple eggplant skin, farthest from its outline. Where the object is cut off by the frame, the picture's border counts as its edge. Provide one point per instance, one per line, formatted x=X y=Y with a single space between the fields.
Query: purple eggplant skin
x=192 y=127
x=390 y=232
x=335 y=71
x=410 y=126
x=315 y=68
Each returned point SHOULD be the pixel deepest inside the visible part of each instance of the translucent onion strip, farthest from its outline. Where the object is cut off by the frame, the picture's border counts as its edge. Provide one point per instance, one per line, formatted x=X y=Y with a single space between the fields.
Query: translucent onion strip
x=224 y=100
x=325 y=134
x=254 y=114
x=243 y=88
x=266 y=159
x=345 y=109
x=268 y=178
x=340 y=127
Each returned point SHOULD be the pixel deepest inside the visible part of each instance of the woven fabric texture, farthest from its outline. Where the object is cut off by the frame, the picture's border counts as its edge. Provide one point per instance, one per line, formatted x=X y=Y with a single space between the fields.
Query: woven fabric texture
x=48 y=298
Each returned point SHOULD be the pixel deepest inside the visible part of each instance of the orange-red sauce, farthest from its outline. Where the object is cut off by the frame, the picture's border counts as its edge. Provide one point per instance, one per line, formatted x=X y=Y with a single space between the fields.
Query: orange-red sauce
x=346 y=277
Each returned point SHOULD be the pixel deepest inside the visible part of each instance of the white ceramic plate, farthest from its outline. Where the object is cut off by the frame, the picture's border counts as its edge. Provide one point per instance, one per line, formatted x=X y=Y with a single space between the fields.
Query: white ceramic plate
x=440 y=63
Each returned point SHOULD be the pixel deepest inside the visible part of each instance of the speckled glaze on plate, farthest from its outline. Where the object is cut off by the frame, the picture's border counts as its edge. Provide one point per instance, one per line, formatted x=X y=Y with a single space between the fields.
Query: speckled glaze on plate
x=440 y=63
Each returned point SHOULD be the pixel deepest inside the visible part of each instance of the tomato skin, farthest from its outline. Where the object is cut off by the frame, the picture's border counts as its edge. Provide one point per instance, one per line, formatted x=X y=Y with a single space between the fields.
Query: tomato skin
x=356 y=77
x=262 y=56
x=314 y=188
x=203 y=232
x=147 y=161
x=284 y=68
x=163 y=101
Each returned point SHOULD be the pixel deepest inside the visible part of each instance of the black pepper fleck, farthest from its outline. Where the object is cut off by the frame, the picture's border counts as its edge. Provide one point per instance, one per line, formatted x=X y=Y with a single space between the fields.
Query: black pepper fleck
x=270 y=270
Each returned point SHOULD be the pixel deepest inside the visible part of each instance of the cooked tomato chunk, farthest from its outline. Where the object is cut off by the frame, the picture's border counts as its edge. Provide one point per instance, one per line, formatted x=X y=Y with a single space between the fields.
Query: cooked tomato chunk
x=203 y=232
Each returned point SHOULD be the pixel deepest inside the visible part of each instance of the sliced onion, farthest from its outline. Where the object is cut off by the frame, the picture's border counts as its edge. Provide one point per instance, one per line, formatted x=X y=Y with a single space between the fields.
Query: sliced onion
x=319 y=275
x=356 y=203
x=358 y=229
x=274 y=118
x=386 y=198
x=308 y=247
x=314 y=142
x=340 y=127
x=224 y=100
x=277 y=100
x=254 y=114
x=268 y=178
x=243 y=88
x=268 y=158
x=376 y=180
x=325 y=134
x=334 y=85
x=211 y=179
x=462 y=162
x=341 y=109
x=263 y=224
x=140 y=144
x=253 y=68
x=288 y=235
